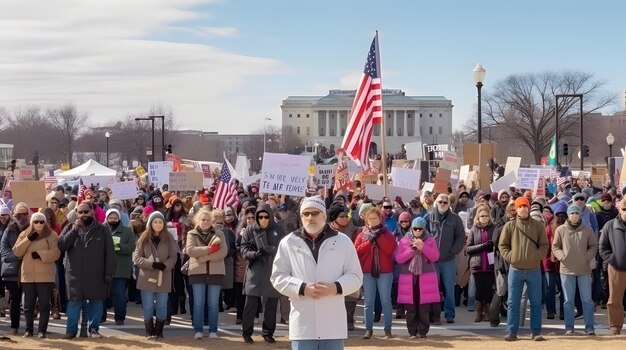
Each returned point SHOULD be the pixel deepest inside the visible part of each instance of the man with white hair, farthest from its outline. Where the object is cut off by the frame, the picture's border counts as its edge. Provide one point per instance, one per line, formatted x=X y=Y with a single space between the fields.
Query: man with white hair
x=449 y=233
x=316 y=266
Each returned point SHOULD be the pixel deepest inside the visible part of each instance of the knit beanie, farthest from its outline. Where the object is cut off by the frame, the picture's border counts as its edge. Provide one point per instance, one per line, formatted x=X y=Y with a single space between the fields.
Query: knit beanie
x=37 y=217
x=364 y=208
x=404 y=216
x=419 y=222
x=521 y=201
x=335 y=209
x=155 y=215
x=315 y=202
x=559 y=207
x=113 y=211
x=573 y=209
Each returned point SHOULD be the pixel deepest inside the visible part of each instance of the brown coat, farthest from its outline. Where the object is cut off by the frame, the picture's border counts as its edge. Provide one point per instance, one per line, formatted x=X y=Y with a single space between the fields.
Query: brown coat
x=145 y=255
x=37 y=270
x=199 y=254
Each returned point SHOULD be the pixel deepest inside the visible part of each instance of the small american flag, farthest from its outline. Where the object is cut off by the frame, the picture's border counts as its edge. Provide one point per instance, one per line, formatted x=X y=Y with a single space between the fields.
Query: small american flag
x=367 y=109
x=561 y=180
x=226 y=193
x=81 y=191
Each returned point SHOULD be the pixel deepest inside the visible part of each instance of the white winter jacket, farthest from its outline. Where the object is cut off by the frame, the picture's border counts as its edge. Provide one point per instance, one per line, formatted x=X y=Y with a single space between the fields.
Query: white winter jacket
x=323 y=318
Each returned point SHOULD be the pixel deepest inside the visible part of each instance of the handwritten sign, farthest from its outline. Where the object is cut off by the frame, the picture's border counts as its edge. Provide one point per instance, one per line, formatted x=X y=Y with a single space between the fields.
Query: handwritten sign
x=159 y=172
x=324 y=174
x=464 y=172
x=186 y=181
x=428 y=186
x=124 y=190
x=450 y=161
x=406 y=178
x=527 y=178
x=441 y=180
x=342 y=176
x=284 y=174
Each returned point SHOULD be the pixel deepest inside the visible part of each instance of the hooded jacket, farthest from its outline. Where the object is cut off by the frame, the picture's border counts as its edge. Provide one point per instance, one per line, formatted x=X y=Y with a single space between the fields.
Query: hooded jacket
x=254 y=247
x=574 y=247
x=124 y=244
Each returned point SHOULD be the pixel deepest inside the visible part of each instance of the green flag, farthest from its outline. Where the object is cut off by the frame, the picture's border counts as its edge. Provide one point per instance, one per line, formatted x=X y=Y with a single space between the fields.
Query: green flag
x=552 y=154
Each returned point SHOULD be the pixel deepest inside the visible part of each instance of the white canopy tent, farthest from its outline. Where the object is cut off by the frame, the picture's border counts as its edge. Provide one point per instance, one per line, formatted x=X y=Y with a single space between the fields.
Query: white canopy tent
x=89 y=168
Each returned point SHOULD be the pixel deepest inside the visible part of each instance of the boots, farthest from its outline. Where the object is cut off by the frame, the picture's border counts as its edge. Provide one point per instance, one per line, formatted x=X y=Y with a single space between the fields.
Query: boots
x=486 y=307
x=181 y=303
x=56 y=305
x=479 y=311
x=350 y=309
x=158 y=328
x=149 y=328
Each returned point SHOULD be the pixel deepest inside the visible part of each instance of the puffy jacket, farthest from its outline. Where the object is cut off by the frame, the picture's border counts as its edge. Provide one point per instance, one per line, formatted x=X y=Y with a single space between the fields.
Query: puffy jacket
x=613 y=244
x=10 y=262
x=40 y=270
x=574 y=248
x=516 y=243
x=448 y=231
x=427 y=280
x=386 y=246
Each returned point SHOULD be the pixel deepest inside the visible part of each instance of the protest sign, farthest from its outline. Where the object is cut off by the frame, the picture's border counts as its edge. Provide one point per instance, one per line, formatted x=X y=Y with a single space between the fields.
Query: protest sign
x=512 y=164
x=428 y=186
x=526 y=178
x=342 y=177
x=376 y=192
x=464 y=172
x=284 y=174
x=450 y=161
x=185 y=181
x=406 y=178
x=441 y=180
x=159 y=172
x=504 y=182
x=33 y=193
x=26 y=172
x=124 y=190
x=353 y=169
x=324 y=174
x=414 y=150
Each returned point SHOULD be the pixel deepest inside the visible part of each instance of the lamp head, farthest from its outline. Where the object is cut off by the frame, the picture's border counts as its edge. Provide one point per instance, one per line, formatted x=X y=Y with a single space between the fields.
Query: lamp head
x=479 y=74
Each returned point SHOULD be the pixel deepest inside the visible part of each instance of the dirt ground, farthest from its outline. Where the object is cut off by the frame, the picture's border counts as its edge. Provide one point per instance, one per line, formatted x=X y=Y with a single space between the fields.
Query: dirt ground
x=235 y=343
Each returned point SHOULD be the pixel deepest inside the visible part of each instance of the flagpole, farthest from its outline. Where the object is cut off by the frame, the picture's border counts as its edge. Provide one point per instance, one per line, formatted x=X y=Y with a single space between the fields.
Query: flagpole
x=382 y=125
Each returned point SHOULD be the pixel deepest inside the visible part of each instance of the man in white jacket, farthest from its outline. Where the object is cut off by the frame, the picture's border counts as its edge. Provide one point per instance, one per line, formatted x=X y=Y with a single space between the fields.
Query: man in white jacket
x=316 y=267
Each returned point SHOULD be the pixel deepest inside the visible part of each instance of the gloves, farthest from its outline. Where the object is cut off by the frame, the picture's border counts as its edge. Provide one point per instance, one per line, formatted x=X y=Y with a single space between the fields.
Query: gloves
x=269 y=250
x=35 y=255
x=213 y=248
x=33 y=236
x=158 y=266
x=488 y=246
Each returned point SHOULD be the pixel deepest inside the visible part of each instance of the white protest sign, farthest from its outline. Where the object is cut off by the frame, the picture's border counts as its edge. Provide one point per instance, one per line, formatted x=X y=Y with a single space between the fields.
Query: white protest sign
x=377 y=192
x=464 y=172
x=414 y=150
x=284 y=174
x=428 y=186
x=406 y=178
x=527 y=177
x=450 y=161
x=124 y=190
x=504 y=182
x=324 y=174
x=512 y=164
x=185 y=181
x=159 y=172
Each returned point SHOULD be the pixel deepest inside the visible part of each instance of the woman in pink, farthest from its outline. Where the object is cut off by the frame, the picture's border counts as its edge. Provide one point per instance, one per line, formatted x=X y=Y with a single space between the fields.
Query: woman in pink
x=417 y=284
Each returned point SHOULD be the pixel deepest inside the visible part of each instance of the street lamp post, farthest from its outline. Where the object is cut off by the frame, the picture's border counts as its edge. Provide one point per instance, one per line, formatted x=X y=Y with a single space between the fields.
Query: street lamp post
x=580 y=97
x=479 y=78
x=151 y=119
x=162 y=117
x=107 y=135
x=610 y=139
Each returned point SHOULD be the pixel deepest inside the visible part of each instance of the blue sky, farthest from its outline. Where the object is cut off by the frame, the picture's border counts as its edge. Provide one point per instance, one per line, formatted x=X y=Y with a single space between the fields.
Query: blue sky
x=210 y=61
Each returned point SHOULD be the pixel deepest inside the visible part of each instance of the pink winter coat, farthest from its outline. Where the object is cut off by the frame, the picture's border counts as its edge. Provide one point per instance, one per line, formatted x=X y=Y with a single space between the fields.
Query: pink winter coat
x=428 y=283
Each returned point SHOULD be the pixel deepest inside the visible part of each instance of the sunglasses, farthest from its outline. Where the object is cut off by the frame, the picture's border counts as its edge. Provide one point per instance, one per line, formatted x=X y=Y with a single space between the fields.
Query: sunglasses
x=264 y=217
x=443 y=202
x=579 y=199
x=83 y=212
x=388 y=207
x=38 y=222
x=418 y=229
x=306 y=214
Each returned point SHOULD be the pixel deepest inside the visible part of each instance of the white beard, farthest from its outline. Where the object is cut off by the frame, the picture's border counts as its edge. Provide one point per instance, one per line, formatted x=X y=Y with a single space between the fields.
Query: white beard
x=313 y=229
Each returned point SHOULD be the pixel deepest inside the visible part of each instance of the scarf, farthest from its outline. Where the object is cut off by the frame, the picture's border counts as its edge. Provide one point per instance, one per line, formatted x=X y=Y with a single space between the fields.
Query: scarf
x=415 y=265
x=371 y=234
x=576 y=225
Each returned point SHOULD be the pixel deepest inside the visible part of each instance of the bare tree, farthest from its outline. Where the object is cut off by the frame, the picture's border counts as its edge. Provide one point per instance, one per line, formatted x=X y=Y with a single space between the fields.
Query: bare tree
x=70 y=124
x=525 y=105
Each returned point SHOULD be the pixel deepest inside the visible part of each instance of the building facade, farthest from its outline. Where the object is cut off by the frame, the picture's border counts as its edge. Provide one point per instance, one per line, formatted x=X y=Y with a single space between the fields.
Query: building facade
x=323 y=120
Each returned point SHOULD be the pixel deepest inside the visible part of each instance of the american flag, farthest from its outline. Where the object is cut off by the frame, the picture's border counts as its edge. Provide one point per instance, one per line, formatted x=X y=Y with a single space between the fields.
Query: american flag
x=367 y=109
x=226 y=193
x=81 y=191
x=561 y=180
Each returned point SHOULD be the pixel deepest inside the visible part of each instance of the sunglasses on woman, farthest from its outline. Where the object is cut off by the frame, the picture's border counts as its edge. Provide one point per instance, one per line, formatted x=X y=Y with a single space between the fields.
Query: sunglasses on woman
x=418 y=229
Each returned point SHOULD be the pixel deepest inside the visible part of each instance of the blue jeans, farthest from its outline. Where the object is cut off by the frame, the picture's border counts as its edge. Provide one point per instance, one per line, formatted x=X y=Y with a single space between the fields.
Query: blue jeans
x=94 y=312
x=552 y=284
x=151 y=301
x=569 y=283
x=326 y=344
x=211 y=293
x=383 y=284
x=447 y=276
x=120 y=297
x=471 y=293
x=533 y=285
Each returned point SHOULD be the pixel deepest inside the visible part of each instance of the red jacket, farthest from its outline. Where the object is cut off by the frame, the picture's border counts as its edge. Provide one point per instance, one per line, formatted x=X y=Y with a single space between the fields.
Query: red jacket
x=386 y=247
x=547 y=262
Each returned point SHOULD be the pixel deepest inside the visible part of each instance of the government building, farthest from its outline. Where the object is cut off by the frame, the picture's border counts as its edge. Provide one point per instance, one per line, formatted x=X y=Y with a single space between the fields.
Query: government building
x=322 y=120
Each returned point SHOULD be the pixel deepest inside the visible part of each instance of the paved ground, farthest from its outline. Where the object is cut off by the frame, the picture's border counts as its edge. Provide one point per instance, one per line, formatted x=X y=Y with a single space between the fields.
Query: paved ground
x=181 y=325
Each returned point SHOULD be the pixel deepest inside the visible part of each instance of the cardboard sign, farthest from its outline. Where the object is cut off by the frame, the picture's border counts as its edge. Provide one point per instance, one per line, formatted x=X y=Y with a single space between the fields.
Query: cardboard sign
x=504 y=182
x=33 y=193
x=406 y=178
x=159 y=172
x=124 y=190
x=186 y=181
x=527 y=178
x=450 y=161
x=342 y=177
x=324 y=174
x=414 y=151
x=441 y=180
x=26 y=172
x=284 y=174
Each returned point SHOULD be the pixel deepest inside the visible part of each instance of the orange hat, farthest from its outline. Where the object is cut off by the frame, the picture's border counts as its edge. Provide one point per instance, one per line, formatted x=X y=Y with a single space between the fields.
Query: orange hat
x=170 y=202
x=521 y=201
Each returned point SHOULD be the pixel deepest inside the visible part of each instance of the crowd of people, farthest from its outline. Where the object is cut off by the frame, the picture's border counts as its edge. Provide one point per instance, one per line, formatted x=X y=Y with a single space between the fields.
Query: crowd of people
x=315 y=258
